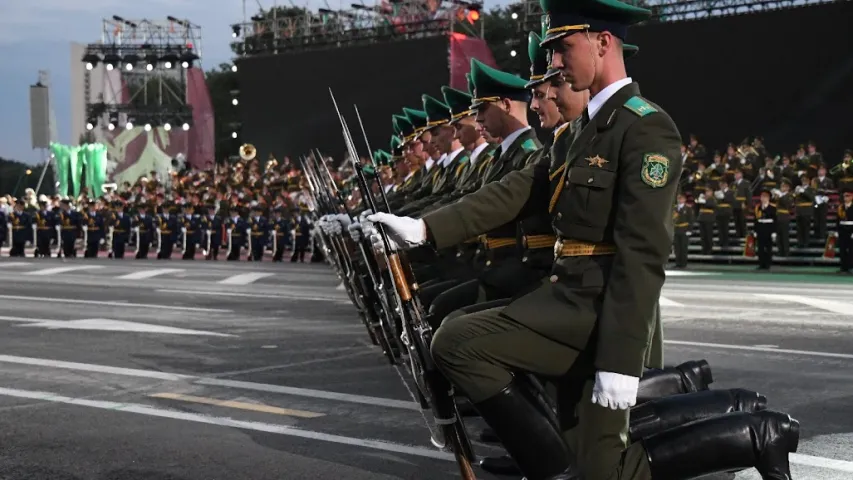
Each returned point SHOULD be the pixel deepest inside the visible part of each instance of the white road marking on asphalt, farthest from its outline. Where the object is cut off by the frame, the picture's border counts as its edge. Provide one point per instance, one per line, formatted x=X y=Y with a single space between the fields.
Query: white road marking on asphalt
x=807 y=353
x=665 y=302
x=833 y=306
x=797 y=459
x=228 y=422
x=58 y=270
x=245 y=278
x=175 y=377
x=14 y=264
x=142 y=275
x=682 y=273
x=296 y=296
x=107 y=325
x=111 y=304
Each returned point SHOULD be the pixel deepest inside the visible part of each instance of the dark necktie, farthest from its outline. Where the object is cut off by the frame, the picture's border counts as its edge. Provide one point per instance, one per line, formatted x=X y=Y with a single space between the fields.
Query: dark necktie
x=584 y=118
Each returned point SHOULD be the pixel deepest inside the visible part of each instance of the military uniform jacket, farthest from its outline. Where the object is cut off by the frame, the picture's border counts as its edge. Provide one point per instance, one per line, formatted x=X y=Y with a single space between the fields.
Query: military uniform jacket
x=805 y=202
x=682 y=218
x=784 y=207
x=616 y=186
x=121 y=225
x=743 y=194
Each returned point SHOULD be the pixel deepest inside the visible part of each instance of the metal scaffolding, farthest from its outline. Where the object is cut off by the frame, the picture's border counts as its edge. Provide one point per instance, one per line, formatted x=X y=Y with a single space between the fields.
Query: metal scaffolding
x=681 y=10
x=295 y=29
x=140 y=67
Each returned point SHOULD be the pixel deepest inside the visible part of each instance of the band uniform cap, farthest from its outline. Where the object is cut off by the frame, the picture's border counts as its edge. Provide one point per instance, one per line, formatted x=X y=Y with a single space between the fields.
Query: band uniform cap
x=629 y=50
x=404 y=128
x=492 y=85
x=438 y=112
x=538 y=60
x=381 y=157
x=470 y=84
x=395 y=144
x=459 y=103
x=565 y=17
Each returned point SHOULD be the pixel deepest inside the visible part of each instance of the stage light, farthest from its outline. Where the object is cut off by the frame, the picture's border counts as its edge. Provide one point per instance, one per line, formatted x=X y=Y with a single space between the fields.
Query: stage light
x=169 y=60
x=473 y=16
x=130 y=61
x=512 y=53
x=235 y=102
x=167 y=126
x=129 y=126
x=233 y=134
x=234 y=68
x=90 y=126
x=91 y=60
x=235 y=31
x=111 y=60
x=185 y=126
x=187 y=59
x=111 y=126
x=150 y=62
x=110 y=66
x=514 y=16
x=147 y=127
x=128 y=66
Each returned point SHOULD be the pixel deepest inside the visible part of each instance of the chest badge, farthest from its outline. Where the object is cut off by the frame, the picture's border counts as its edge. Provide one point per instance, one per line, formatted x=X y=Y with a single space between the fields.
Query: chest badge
x=596 y=161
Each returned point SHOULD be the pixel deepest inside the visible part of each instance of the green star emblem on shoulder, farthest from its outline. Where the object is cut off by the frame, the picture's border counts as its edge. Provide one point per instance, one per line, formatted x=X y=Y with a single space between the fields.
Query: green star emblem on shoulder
x=655 y=171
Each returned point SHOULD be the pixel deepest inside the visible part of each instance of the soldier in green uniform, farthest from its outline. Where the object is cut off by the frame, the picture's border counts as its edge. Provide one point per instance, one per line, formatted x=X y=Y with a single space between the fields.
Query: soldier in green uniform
x=594 y=323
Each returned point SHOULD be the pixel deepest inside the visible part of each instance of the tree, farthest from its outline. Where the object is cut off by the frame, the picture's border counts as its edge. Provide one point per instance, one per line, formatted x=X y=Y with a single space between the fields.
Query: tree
x=220 y=82
x=14 y=179
x=503 y=35
x=87 y=137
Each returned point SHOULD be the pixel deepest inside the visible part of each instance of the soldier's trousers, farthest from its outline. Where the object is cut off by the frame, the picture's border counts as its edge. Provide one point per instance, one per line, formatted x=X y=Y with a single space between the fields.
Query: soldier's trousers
x=68 y=240
x=783 y=237
x=723 y=222
x=257 y=251
x=278 y=254
x=680 y=242
x=820 y=212
x=477 y=352
x=235 y=252
x=189 y=253
x=706 y=233
x=91 y=249
x=740 y=223
x=17 y=249
x=298 y=253
x=43 y=244
x=845 y=248
x=165 y=250
x=143 y=248
x=119 y=245
x=764 y=248
x=213 y=254
x=804 y=226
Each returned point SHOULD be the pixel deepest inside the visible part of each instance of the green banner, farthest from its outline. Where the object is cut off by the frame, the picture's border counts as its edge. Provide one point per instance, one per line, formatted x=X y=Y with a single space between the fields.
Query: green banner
x=73 y=164
x=62 y=164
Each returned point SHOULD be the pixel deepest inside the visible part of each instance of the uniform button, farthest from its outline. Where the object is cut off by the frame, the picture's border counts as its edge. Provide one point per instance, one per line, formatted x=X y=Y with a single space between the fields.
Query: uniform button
x=488 y=262
x=523 y=259
x=554 y=279
x=589 y=180
x=559 y=215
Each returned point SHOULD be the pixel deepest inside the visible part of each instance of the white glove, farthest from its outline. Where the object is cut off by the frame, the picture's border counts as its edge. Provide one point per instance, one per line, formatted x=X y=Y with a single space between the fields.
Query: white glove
x=343 y=219
x=615 y=391
x=369 y=228
x=404 y=230
x=365 y=214
x=355 y=231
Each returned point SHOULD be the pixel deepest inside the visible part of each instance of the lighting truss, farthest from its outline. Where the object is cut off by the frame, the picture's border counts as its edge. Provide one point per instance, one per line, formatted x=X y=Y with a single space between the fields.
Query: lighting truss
x=142 y=68
x=361 y=24
x=127 y=116
x=681 y=10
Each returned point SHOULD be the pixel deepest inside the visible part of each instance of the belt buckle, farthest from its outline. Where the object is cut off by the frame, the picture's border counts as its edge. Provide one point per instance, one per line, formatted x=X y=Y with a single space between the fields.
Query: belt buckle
x=558 y=247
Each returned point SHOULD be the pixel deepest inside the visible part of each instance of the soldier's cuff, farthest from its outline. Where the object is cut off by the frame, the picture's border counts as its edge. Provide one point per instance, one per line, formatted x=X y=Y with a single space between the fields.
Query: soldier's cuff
x=443 y=228
x=621 y=354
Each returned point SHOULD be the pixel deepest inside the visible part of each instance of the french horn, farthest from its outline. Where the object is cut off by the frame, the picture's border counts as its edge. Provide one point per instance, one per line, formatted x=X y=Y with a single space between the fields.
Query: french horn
x=248 y=152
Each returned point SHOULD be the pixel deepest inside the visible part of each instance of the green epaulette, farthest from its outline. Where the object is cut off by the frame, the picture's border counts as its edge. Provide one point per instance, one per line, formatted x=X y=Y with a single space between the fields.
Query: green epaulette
x=464 y=159
x=639 y=106
x=529 y=145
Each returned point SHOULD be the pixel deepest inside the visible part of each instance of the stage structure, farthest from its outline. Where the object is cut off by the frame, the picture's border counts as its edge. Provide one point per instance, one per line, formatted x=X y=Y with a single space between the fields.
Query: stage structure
x=143 y=64
x=146 y=98
x=530 y=12
x=293 y=30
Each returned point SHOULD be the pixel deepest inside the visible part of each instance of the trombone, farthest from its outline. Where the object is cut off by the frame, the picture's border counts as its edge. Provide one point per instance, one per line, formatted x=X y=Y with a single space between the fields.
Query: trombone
x=249 y=241
x=840 y=168
x=183 y=240
x=230 y=241
x=110 y=241
x=206 y=251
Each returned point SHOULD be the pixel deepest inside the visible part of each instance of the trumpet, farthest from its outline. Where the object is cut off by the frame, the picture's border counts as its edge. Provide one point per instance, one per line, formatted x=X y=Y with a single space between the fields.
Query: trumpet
x=840 y=168
x=698 y=175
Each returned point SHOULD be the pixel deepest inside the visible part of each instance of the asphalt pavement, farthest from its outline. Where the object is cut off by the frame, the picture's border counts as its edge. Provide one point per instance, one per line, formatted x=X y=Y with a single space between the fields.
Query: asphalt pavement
x=181 y=370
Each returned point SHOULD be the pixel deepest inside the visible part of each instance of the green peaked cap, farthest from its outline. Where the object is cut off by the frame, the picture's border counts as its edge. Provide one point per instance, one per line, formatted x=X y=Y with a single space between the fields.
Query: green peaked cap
x=538 y=60
x=418 y=118
x=402 y=126
x=459 y=103
x=565 y=17
x=381 y=157
x=438 y=113
x=491 y=84
x=395 y=145
x=629 y=50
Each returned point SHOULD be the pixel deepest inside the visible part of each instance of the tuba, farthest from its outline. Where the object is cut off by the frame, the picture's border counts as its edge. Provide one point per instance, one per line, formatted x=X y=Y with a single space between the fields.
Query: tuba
x=248 y=152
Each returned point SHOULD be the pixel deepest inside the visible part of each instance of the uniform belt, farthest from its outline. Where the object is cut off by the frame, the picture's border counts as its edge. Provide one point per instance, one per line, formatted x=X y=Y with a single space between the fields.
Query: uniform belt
x=681 y=225
x=809 y=204
x=846 y=222
x=69 y=228
x=44 y=229
x=472 y=240
x=532 y=242
x=707 y=210
x=17 y=228
x=574 y=248
x=765 y=220
x=723 y=205
x=495 y=243
x=740 y=198
x=119 y=231
x=257 y=234
x=781 y=210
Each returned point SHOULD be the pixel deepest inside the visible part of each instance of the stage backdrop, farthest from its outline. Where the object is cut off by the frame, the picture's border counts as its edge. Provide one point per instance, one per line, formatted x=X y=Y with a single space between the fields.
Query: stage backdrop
x=784 y=75
x=285 y=103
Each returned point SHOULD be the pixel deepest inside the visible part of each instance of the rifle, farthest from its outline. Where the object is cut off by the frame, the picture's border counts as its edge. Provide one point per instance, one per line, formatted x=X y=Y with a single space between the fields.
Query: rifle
x=434 y=390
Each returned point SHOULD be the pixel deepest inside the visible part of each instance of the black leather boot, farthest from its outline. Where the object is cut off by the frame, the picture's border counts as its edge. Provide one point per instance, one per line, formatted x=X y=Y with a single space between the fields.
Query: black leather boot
x=726 y=443
x=689 y=377
x=528 y=435
x=670 y=412
x=662 y=414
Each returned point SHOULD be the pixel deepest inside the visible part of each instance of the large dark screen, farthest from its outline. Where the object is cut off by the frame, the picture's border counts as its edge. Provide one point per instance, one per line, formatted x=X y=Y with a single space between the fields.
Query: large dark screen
x=785 y=75
x=285 y=103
